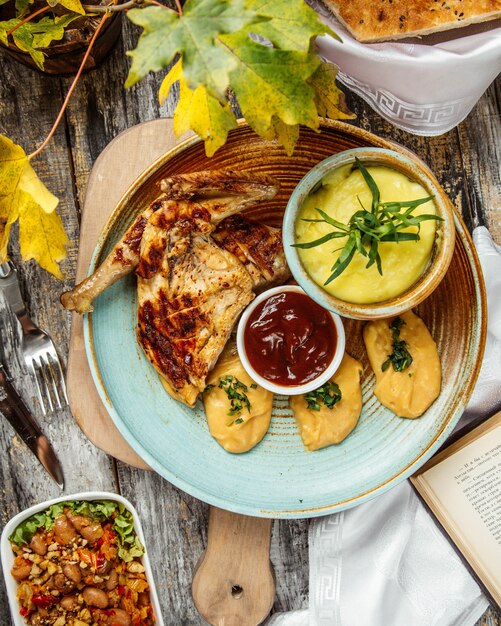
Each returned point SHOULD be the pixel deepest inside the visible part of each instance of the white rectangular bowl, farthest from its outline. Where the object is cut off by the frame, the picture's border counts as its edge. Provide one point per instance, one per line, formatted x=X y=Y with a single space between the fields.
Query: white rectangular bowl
x=7 y=555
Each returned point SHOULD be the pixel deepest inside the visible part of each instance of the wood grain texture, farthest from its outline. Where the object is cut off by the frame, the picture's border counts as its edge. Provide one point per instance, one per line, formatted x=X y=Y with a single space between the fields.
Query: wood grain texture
x=233 y=583
x=466 y=162
x=115 y=169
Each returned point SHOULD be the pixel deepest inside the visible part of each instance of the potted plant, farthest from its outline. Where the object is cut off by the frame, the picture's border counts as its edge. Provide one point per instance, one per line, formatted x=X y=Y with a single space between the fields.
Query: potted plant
x=53 y=37
x=260 y=52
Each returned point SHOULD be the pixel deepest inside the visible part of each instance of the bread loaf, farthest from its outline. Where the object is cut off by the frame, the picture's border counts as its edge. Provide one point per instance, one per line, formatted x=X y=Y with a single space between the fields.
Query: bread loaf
x=381 y=20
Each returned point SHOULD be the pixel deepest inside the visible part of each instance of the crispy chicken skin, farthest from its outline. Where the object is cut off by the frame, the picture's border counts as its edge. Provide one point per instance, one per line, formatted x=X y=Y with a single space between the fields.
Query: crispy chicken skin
x=194 y=277
x=122 y=260
x=190 y=292
x=221 y=192
x=258 y=246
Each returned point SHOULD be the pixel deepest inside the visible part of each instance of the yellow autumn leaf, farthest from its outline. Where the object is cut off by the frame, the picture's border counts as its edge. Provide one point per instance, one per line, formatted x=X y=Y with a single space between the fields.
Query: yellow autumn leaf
x=199 y=111
x=32 y=185
x=41 y=235
x=24 y=197
x=73 y=5
x=286 y=135
x=12 y=163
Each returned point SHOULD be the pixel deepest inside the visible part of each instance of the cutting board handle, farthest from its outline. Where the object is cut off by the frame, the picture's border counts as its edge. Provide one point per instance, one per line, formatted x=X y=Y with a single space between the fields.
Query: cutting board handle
x=234 y=583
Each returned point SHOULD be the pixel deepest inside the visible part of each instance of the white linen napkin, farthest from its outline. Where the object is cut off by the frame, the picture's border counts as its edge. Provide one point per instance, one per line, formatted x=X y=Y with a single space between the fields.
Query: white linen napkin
x=385 y=562
x=424 y=86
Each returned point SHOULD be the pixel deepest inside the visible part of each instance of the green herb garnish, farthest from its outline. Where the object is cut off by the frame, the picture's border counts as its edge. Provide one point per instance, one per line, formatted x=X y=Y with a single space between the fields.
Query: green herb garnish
x=366 y=229
x=328 y=394
x=236 y=391
x=400 y=358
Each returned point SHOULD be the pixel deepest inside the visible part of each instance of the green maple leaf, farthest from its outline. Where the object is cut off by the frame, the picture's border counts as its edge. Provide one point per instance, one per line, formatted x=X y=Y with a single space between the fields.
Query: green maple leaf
x=22 y=6
x=24 y=197
x=269 y=82
x=4 y=29
x=33 y=36
x=193 y=34
x=290 y=24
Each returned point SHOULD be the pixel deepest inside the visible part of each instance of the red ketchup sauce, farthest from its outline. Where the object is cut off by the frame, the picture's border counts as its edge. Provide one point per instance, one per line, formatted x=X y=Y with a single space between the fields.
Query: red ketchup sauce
x=289 y=339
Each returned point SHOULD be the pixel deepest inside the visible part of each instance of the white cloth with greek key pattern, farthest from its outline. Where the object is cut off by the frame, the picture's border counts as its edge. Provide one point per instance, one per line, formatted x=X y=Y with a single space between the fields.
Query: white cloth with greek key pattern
x=385 y=562
x=425 y=87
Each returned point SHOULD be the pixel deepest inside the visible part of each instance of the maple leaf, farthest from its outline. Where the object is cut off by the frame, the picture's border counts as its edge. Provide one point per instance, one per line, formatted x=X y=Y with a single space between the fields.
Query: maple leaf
x=290 y=24
x=194 y=33
x=269 y=82
x=71 y=5
x=199 y=110
x=24 y=197
x=32 y=36
x=329 y=99
x=262 y=49
x=41 y=235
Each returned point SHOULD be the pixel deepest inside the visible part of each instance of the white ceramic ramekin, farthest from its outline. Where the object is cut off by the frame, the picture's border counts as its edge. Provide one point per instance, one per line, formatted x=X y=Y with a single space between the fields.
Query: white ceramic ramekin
x=8 y=556
x=286 y=389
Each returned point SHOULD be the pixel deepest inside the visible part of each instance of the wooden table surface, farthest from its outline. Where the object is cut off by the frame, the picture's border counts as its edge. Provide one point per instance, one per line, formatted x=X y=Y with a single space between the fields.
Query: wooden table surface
x=465 y=160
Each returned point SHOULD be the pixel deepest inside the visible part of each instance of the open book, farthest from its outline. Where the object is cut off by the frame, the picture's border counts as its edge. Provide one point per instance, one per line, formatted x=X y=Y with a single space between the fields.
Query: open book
x=462 y=487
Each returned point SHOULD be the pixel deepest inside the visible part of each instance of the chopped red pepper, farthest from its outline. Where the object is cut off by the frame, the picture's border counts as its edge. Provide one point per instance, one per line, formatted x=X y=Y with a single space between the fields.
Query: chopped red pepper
x=100 y=560
x=44 y=601
x=121 y=590
x=24 y=611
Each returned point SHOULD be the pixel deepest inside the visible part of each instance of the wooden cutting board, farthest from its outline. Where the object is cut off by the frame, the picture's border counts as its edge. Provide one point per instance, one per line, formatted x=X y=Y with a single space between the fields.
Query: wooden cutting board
x=120 y=163
x=234 y=583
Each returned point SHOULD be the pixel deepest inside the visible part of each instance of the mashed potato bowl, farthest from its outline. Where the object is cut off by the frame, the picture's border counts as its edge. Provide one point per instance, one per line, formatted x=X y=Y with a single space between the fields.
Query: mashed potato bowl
x=411 y=170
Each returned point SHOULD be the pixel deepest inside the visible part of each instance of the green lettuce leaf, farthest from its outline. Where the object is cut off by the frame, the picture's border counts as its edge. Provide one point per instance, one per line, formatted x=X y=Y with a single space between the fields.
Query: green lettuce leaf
x=129 y=545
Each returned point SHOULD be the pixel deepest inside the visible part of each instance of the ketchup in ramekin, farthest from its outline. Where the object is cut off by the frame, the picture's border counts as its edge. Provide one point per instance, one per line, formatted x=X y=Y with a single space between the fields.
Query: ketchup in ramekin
x=288 y=343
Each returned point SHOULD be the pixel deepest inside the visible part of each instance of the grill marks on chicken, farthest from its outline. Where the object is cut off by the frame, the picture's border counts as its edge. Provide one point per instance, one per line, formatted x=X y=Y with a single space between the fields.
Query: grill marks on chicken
x=195 y=272
x=190 y=292
x=258 y=246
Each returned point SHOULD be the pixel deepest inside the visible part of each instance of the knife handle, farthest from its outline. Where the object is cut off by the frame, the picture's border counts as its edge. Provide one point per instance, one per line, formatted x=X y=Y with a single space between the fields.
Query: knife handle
x=16 y=412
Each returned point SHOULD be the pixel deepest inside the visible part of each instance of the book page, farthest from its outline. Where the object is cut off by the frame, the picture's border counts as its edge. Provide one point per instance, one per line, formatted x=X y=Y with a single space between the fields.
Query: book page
x=468 y=487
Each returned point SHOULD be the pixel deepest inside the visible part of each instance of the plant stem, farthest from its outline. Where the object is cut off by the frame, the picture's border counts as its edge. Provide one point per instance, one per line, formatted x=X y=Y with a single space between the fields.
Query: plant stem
x=125 y=6
x=28 y=19
x=71 y=89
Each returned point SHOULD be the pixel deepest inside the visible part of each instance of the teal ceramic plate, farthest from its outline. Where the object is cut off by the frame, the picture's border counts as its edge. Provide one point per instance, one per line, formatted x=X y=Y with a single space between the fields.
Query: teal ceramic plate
x=278 y=478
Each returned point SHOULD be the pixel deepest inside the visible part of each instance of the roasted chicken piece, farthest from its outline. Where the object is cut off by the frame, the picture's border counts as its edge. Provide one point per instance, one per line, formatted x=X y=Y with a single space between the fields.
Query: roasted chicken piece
x=190 y=292
x=122 y=260
x=258 y=246
x=222 y=192
x=192 y=283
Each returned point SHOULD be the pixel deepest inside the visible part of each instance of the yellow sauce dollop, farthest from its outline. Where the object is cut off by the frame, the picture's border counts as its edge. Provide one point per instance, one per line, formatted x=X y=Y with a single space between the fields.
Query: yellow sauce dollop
x=410 y=392
x=402 y=263
x=322 y=428
x=232 y=436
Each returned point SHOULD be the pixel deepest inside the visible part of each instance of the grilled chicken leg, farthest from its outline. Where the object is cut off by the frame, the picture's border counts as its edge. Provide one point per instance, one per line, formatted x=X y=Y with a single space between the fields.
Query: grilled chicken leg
x=223 y=193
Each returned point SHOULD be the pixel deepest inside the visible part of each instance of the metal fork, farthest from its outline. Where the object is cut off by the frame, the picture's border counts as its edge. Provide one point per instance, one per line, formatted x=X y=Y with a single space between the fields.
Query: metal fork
x=37 y=347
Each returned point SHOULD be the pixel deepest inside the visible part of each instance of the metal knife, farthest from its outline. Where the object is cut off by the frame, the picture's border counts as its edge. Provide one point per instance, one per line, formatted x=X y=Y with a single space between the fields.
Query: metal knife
x=25 y=425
